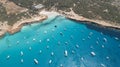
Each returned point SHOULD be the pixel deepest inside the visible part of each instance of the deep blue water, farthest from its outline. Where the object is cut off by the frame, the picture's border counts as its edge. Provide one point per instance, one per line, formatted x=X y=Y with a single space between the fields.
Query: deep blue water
x=55 y=36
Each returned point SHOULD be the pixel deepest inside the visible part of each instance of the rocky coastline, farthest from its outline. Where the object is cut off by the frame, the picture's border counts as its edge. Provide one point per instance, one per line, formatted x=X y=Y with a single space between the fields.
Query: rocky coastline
x=18 y=25
x=44 y=14
x=105 y=24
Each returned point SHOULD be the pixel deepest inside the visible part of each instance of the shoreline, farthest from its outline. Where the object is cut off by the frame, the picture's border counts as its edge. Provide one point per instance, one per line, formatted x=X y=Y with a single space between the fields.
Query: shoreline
x=44 y=14
x=18 y=25
x=73 y=16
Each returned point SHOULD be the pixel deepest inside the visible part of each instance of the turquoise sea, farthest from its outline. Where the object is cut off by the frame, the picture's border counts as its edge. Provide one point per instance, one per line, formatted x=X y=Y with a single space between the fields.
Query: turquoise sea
x=60 y=42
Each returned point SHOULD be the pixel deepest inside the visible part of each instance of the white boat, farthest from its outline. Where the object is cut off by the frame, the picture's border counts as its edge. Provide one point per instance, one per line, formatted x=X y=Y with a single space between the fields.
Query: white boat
x=97 y=42
x=66 y=43
x=21 y=53
x=103 y=46
x=77 y=46
x=30 y=48
x=107 y=58
x=18 y=42
x=52 y=53
x=36 y=61
x=105 y=40
x=34 y=39
x=91 y=33
x=61 y=33
x=45 y=32
x=102 y=65
x=8 y=57
x=91 y=47
x=53 y=29
x=47 y=47
x=93 y=53
x=40 y=41
x=116 y=38
x=40 y=51
x=73 y=52
x=89 y=37
x=65 y=53
x=48 y=40
x=50 y=61
x=83 y=39
x=61 y=65
x=82 y=58
x=21 y=60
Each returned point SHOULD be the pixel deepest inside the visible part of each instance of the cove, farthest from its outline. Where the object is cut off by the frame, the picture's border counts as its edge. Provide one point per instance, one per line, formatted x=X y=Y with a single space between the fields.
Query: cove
x=60 y=42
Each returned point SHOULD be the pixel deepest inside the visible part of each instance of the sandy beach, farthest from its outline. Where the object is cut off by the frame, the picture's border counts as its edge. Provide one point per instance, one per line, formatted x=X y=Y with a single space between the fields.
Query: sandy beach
x=73 y=16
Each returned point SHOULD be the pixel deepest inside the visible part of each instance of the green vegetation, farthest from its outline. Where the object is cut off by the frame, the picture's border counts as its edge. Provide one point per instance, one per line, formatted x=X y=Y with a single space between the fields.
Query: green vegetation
x=93 y=9
x=2 y=12
x=13 y=18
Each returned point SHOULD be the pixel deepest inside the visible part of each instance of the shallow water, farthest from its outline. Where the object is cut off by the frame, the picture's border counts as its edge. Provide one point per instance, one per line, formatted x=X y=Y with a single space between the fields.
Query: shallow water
x=47 y=42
